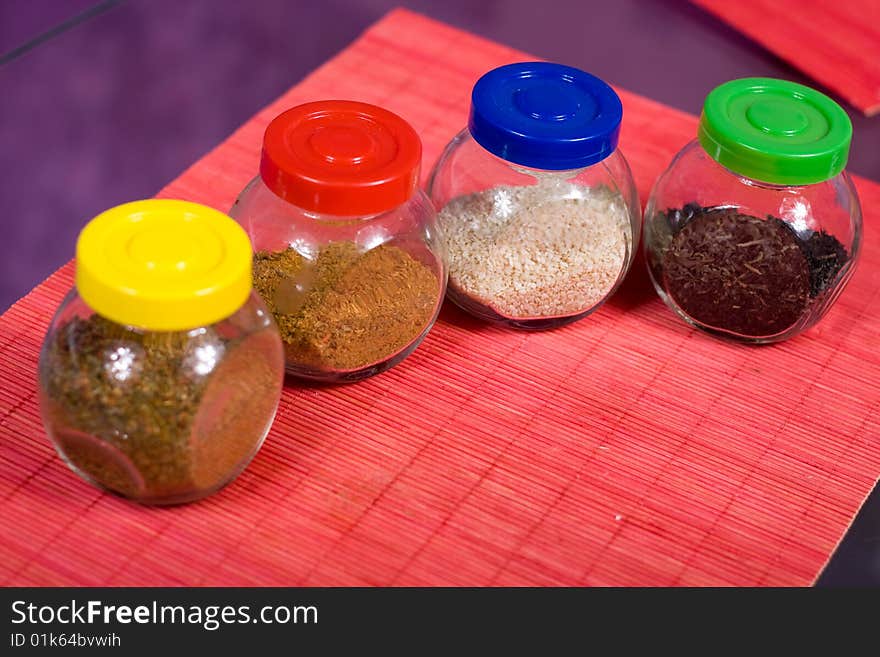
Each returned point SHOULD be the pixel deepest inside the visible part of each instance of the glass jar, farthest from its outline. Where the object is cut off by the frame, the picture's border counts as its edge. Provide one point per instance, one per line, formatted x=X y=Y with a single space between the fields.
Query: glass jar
x=754 y=229
x=536 y=203
x=347 y=254
x=161 y=371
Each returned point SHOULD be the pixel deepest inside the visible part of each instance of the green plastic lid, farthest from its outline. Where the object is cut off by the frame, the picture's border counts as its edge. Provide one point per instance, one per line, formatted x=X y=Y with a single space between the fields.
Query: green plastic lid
x=775 y=131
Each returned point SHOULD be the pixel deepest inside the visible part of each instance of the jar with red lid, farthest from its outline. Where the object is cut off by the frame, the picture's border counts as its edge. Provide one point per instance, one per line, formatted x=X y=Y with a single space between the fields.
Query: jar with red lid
x=347 y=255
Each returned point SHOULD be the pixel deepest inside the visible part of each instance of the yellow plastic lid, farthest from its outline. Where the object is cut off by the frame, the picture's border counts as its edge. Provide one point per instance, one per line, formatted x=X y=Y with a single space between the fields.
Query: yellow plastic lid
x=163 y=265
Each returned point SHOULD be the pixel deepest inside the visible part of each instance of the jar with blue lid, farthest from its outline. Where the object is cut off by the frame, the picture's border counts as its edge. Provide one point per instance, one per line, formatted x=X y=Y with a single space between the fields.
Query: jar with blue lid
x=536 y=202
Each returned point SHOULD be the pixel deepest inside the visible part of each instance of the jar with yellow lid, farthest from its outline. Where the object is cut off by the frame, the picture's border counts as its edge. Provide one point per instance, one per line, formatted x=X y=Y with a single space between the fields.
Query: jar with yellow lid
x=161 y=371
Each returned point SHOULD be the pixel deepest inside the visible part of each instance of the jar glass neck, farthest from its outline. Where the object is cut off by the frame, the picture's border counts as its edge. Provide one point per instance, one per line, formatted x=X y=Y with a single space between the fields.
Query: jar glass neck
x=342 y=219
x=753 y=182
x=547 y=174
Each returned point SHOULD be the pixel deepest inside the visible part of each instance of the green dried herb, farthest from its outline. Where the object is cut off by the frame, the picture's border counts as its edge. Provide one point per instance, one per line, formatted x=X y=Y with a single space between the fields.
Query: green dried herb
x=156 y=416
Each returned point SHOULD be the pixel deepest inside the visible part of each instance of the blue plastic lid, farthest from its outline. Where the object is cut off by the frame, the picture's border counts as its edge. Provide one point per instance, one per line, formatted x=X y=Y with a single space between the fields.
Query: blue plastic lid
x=545 y=116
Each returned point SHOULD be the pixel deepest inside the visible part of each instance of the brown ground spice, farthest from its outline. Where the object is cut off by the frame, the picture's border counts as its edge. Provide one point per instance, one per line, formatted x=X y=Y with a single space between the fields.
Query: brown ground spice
x=162 y=433
x=347 y=309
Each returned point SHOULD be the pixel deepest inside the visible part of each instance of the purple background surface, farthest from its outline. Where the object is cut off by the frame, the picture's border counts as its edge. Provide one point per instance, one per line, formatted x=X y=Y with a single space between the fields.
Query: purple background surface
x=116 y=106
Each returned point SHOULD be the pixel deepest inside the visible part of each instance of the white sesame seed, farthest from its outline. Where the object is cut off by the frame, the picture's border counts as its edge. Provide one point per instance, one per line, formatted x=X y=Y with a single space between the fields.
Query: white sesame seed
x=545 y=250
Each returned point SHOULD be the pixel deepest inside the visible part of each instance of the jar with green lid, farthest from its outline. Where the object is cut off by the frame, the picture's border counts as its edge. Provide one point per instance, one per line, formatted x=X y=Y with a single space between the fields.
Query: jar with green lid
x=161 y=371
x=754 y=229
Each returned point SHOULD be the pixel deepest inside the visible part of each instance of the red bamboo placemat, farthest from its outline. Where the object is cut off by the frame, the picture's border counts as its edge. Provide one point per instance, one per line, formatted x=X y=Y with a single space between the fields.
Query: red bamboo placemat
x=836 y=43
x=625 y=449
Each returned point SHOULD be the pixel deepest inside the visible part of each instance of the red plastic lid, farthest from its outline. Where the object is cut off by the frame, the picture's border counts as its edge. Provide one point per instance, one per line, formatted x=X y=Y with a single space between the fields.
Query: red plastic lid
x=341 y=157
